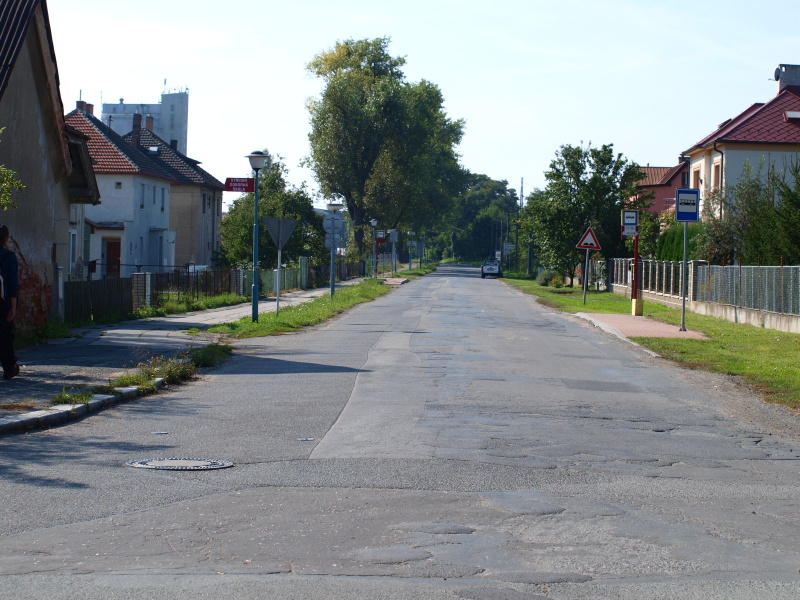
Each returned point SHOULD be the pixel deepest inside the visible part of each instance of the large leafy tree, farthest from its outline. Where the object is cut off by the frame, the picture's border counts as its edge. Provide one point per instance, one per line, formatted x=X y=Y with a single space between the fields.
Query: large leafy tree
x=586 y=187
x=275 y=199
x=382 y=144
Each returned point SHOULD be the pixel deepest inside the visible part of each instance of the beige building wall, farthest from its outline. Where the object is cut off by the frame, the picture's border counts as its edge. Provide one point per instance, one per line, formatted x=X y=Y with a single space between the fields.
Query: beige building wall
x=34 y=145
x=194 y=216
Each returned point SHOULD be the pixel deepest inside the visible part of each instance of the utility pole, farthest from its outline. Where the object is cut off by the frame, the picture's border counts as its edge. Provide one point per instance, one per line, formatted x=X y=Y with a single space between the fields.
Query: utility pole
x=519 y=210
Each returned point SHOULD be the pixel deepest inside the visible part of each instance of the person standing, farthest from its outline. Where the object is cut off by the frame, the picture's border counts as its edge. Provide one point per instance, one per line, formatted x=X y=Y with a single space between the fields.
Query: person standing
x=9 y=271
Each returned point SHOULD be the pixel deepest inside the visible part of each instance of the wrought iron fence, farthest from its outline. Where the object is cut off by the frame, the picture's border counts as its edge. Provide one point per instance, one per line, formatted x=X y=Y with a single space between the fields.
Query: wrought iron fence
x=182 y=285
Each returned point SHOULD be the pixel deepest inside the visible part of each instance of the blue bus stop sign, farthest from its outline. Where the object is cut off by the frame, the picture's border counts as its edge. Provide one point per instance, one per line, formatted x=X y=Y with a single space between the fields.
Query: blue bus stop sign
x=687 y=205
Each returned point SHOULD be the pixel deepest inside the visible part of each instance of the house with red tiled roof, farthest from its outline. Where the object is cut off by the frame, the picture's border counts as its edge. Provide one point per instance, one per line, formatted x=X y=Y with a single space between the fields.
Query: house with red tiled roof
x=766 y=133
x=661 y=182
x=195 y=198
x=131 y=228
x=50 y=159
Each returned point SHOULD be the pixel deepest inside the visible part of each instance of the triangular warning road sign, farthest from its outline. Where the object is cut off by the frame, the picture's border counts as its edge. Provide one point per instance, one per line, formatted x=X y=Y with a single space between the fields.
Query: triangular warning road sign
x=589 y=241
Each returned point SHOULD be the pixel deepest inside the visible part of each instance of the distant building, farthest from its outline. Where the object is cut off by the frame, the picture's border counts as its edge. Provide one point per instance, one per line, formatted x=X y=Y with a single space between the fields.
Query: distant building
x=661 y=182
x=170 y=117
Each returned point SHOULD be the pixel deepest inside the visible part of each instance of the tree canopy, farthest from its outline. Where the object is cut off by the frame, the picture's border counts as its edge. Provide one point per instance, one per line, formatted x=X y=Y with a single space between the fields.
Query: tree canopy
x=382 y=144
x=275 y=199
x=586 y=187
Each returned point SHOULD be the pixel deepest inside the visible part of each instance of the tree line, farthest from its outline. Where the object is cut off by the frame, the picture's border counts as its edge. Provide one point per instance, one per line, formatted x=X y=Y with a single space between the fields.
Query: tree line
x=385 y=148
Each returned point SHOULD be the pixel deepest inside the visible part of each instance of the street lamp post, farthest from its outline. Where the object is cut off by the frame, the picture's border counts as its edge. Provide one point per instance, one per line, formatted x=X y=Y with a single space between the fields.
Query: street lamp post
x=374 y=223
x=334 y=207
x=257 y=161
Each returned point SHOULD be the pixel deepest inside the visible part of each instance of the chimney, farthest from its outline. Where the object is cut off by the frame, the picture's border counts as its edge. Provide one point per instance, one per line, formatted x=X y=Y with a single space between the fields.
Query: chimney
x=85 y=107
x=137 y=128
x=787 y=75
x=148 y=122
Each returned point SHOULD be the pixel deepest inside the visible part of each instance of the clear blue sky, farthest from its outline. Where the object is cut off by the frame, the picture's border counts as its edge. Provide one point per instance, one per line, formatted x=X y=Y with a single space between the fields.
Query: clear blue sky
x=650 y=77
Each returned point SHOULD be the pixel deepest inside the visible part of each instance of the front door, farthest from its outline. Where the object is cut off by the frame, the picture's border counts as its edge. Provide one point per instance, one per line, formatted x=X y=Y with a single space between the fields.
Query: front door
x=112 y=257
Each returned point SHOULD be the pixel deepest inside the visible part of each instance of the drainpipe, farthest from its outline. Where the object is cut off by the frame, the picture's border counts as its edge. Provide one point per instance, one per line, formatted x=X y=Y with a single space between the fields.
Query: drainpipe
x=721 y=170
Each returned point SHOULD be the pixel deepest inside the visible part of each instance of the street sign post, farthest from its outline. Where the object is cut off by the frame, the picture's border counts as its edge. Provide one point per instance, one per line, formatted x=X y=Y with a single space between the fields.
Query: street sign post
x=242 y=185
x=687 y=205
x=280 y=230
x=687 y=210
x=588 y=242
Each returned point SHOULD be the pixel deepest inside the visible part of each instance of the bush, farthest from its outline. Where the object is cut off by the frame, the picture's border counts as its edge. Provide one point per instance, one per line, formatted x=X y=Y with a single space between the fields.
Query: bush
x=548 y=277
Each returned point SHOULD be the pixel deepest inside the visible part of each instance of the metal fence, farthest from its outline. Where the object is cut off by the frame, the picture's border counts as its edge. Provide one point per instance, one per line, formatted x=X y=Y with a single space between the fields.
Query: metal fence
x=772 y=289
x=99 y=300
x=191 y=285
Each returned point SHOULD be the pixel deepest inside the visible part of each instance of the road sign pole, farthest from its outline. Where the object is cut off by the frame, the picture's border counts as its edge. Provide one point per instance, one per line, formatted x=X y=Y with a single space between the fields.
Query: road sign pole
x=684 y=274
x=585 y=277
x=254 y=292
x=278 y=278
x=687 y=210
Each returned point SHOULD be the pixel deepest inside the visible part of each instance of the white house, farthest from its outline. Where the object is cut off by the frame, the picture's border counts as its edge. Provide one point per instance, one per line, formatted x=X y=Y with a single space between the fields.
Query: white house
x=131 y=228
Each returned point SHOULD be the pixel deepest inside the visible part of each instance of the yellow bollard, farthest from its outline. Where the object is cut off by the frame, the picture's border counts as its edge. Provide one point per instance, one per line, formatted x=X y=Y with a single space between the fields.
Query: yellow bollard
x=637 y=307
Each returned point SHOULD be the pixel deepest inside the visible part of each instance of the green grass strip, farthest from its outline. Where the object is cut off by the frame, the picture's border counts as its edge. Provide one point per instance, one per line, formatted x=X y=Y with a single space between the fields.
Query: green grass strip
x=292 y=318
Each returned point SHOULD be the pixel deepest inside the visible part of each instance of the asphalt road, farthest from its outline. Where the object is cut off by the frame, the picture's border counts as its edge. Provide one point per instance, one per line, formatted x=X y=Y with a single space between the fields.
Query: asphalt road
x=451 y=440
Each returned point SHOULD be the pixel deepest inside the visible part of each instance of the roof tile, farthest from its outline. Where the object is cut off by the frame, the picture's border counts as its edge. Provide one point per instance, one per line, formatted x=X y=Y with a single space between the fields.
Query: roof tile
x=761 y=123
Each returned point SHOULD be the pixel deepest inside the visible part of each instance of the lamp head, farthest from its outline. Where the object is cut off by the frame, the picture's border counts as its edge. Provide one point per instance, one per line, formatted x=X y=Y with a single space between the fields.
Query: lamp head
x=335 y=206
x=257 y=160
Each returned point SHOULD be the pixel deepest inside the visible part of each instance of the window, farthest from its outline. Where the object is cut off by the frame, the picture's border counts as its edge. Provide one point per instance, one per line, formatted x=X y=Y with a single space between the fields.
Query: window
x=717 y=182
x=163 y=203
x=204 y=204
x=154 y=195
x=696 y=181
x=118 y=185
x=141 y=198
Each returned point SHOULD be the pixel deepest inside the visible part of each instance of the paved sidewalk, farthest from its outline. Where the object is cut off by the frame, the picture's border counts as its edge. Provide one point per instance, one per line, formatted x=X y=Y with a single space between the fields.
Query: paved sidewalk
x=627 y=326
x=98 y=354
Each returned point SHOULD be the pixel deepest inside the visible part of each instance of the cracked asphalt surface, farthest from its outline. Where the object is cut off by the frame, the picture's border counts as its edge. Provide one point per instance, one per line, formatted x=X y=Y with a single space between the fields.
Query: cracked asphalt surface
x=451 y=440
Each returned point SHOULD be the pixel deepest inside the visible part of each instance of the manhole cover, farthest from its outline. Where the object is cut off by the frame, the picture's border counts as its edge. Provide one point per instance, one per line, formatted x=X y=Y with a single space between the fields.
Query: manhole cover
x=180 y=464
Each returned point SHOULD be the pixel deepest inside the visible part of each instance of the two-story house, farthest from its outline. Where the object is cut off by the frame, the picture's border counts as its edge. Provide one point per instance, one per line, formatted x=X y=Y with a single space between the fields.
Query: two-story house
x=195 y=196
x=131 y=228
x=767 y=133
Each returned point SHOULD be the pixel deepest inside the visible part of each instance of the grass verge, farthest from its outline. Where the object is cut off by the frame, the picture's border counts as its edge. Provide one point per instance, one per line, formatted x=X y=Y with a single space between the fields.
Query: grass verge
x=173 y=370
x=766 y=360
x=310 y=313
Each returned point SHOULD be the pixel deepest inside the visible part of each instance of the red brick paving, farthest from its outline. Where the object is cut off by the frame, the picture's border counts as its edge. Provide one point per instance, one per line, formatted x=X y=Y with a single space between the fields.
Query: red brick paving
x=629 y=326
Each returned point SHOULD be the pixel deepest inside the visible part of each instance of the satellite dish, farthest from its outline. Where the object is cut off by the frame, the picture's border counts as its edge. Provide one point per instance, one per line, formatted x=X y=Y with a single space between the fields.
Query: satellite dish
x=778 y=74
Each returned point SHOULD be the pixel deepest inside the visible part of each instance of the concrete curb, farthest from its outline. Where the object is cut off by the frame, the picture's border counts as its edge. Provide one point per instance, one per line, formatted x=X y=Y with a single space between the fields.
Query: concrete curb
x=64 y=413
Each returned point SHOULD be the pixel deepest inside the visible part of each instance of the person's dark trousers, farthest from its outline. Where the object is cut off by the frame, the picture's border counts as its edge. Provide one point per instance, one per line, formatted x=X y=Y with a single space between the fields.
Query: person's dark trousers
x=7 y=357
